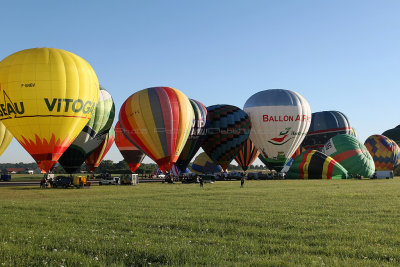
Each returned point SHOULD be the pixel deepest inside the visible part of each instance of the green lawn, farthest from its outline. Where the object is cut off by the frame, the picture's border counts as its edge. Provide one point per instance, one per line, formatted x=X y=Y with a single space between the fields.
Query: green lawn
x=308 y=223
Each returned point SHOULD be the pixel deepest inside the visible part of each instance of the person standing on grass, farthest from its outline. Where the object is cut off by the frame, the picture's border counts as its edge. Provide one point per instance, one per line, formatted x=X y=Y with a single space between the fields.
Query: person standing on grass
x=242 y=182
x=201 y=181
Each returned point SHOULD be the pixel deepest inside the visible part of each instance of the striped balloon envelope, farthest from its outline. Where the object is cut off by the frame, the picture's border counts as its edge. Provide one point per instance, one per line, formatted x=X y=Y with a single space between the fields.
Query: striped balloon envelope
x=94 y=159
x=384 y=151
x=92 y=134
x=228 y=128
x=196 y=135
x=247 y=155
x=131 y=153
x=158 y=120
x=351 y=154
x=313 y=164
x=325 y=125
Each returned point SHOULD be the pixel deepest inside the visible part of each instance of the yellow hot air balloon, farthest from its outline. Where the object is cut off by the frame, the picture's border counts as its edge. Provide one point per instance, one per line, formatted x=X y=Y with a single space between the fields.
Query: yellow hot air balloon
x=47 y=96
x=5 y=138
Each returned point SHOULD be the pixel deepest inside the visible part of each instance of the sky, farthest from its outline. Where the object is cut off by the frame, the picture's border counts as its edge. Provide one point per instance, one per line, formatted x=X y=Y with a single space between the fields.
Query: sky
x=340 y=55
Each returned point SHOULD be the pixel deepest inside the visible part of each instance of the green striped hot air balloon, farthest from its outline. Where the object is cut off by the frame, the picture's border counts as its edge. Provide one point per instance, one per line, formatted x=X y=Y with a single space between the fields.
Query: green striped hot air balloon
x=312 y=164
x=351 y=154
x=92 y=135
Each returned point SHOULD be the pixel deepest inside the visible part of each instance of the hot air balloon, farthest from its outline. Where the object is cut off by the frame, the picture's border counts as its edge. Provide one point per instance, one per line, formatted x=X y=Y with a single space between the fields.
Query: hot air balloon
x=313 y=164
x=204 y=165
x=94 y=159
x=325 y=125
x=5 y=138
x=247 y=155
x=131 y=153
x=228 y=128
x=92 y=134
x=351 y=154
x=280 y=120
x=47 y=96
x=196 y=135
x=158 y=120
x=393 y=134
x=385 y=153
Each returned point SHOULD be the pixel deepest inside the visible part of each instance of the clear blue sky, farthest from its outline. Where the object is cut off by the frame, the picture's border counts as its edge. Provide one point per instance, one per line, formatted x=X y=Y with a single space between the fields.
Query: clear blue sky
x=340 y=55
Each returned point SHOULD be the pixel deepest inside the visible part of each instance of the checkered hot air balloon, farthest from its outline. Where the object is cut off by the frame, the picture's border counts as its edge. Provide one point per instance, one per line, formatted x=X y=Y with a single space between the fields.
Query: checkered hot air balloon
x=228 y=128
x=384 y=151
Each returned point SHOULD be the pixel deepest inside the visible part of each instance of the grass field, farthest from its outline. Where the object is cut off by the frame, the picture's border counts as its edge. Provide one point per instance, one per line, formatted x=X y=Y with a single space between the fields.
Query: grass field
x=268 y=223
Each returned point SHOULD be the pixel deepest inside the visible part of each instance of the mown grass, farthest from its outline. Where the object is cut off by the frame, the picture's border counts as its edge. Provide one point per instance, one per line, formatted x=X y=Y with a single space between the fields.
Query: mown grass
x=267 y=223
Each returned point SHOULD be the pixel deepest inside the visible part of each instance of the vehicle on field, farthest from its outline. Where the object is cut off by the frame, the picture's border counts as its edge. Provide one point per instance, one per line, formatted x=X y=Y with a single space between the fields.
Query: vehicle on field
x=62 y=182
x=5 y=177
x=110 y=181
x=80 y=181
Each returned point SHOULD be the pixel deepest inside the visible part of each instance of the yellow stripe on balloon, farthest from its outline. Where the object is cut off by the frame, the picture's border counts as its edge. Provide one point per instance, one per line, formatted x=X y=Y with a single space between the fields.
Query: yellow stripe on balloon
x=325 y=167
x=306 y=165
x=187 y=113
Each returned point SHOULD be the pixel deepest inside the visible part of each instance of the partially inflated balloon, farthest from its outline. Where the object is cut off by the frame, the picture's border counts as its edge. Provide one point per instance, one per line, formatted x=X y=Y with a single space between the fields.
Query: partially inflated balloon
x=203 y=165
x=228 y=129
x=47 y=96
x=313 y=164
x=94 y=159
x=131 y=153
x=92 y=134
x=247 y=155
x=158 y=120
x=393 y=134
x=280 y=120
x=384 y=151
x=5 y=138
x=196 y=135
x=325 y=125
x=351 y=154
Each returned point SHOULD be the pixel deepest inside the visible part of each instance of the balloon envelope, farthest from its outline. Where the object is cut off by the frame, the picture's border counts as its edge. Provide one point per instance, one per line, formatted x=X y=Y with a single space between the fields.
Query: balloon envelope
x=203 y=165
x=393 y=134
x=196 y=135
x=158 y=120
x=313 y=164
x=48 y=96
x=92 y=135
x=351 y=154
x=325 y=125
x=94 y=159
x=247 y=155
x=5 y=138
x=280 y=120
x=384 y=151
x=131 y=153
x=228 y=128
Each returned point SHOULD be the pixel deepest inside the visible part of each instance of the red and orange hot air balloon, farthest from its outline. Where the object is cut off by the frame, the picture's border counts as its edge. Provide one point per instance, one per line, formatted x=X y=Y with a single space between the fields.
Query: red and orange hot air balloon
x=247 y=155
x=131 y=153
x=158 y=120
x=94 y=159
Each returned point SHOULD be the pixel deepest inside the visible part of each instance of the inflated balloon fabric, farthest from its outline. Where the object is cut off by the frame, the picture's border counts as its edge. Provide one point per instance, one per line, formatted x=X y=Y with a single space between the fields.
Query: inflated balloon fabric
x=228 y=128
x=313 y=164
x=351 y=154
x=247 y=155
x=203 y=165
x=94 y=159
x=48 y=96
x=158 y=120
x=5 y=138
x=384 y=151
